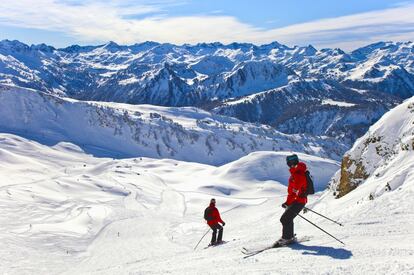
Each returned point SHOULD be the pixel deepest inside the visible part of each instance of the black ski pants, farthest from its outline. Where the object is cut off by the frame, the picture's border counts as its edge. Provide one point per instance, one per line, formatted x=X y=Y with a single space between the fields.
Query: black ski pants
x=287 y=219
x=219 y=228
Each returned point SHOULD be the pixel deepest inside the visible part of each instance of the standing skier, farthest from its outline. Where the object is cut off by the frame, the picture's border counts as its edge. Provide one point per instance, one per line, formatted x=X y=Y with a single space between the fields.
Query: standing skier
x=212 y=216
x=296 y=198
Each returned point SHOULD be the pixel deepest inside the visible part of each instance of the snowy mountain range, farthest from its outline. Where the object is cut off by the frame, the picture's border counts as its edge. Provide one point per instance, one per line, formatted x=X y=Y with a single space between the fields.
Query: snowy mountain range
x=290 y=88
x=89 y=186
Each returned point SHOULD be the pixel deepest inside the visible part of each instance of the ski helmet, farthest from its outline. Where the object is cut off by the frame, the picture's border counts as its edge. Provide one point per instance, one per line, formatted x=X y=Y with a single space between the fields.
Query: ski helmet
x=292 y=160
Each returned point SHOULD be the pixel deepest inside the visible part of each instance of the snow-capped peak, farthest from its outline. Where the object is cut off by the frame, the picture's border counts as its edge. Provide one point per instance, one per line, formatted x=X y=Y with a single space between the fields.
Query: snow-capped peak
x=13 y=45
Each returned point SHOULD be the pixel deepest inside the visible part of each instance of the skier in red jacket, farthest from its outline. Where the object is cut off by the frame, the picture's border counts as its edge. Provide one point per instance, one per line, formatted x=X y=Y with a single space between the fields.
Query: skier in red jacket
x=212 y=216
x=296 y=198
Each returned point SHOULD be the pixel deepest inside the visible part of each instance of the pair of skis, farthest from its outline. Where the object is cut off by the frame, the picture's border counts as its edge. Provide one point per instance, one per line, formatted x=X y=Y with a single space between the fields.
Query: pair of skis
x=249 y=252
x=252 y=252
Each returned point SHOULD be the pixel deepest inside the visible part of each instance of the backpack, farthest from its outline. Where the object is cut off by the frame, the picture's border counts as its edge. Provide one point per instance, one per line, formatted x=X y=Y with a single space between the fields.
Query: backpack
x=207 y=214
x=310 y=189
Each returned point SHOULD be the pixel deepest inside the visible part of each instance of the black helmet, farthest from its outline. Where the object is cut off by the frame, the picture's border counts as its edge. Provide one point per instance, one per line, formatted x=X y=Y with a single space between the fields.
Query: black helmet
x=292 y=160
x=213 y=200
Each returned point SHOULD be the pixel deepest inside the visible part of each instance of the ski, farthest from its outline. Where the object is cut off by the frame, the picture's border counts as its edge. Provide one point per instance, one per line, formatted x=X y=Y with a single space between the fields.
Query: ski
x=253 y=252
x=250 y=253
x=223 y=242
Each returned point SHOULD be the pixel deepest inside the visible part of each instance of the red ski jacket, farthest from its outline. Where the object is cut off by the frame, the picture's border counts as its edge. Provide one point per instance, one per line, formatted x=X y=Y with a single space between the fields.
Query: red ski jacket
x=213 y=215
x=297 y=185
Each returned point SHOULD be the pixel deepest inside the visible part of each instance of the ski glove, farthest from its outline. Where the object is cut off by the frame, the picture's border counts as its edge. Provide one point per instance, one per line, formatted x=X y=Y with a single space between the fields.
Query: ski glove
x=223 y=223
x=284 y=205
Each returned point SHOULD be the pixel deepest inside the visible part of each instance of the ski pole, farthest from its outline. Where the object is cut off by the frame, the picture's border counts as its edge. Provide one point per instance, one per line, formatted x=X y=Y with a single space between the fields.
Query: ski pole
x=324 y=216
x=201 y=239
x=321 y=229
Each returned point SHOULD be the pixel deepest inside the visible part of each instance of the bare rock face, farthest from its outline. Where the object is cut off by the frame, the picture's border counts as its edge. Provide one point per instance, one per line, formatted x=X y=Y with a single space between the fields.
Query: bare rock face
x=352 y=174
x=356 y=167
x=353 y=171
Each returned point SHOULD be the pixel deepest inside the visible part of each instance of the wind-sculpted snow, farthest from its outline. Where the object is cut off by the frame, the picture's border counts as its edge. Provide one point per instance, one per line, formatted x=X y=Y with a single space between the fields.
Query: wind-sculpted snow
x=67 y=212
x=58 y=202
x=120 y=130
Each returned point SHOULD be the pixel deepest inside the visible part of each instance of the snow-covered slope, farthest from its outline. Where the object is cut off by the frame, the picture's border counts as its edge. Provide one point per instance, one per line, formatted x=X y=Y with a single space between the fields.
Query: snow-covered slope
x=61 y=207
x=374 y=191
x=65 y=211
x=382 y=160
x=188 y=133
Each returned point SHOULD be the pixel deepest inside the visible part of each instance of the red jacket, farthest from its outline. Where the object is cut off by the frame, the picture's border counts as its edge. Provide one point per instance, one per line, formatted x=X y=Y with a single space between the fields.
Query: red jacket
x=297 y=185
x=213 y=215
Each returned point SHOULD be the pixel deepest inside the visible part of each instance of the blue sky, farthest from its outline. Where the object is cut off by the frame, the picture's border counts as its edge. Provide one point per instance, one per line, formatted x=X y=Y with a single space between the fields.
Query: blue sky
x=322 y=23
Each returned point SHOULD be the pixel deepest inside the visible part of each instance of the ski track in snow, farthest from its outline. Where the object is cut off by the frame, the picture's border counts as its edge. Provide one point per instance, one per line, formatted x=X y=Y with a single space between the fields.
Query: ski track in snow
x=67 y=212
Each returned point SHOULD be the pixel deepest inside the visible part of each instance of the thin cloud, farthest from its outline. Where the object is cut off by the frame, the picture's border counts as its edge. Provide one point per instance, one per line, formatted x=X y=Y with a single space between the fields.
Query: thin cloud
x=389 y=24
x=126 y=23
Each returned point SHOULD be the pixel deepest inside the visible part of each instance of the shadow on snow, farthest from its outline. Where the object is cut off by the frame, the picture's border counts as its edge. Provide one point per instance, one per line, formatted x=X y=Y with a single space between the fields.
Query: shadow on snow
x=335 y=253
x=52 y=139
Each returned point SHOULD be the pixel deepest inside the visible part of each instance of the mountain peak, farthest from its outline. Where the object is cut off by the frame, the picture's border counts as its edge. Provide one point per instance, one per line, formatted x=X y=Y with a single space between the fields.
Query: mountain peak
x=42 y=47
x=77 y=48
x=273 y=45
x=364 y=51
x=13 y=45
x=309 y=50
x=236 y=45
x=205 y=45
x=113 y=46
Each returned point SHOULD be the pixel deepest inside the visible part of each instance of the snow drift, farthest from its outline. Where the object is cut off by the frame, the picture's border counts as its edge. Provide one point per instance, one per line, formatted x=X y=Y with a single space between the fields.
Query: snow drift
x=63 y=206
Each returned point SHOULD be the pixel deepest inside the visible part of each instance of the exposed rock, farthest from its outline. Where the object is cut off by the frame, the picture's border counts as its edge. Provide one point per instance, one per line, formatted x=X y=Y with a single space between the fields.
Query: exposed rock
x=352 y=174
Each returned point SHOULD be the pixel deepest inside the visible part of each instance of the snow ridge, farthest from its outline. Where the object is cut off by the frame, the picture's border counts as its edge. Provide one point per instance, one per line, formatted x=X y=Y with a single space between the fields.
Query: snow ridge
x=122 y=130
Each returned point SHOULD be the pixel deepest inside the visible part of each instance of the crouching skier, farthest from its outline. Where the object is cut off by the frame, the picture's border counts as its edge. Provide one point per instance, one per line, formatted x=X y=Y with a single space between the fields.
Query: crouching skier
x=212 y=216
x=296 y=199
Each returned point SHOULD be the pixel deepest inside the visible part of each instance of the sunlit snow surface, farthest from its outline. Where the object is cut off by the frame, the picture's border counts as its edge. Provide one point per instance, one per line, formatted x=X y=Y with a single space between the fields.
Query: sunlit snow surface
x=61 y=206
x=67 y=211
x=337 y=103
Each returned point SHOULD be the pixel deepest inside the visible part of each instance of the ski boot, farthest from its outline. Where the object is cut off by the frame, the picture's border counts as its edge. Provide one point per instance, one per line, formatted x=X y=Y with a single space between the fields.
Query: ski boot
x=283 y=242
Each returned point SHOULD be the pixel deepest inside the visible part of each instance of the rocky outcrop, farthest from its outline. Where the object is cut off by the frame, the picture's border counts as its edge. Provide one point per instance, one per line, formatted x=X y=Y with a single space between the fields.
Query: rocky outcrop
x=388 y=144
x=352 y=174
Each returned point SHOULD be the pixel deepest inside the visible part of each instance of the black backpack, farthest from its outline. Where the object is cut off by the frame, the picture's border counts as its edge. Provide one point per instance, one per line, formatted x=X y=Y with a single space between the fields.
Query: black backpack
x=207 y=214
x=310 y=189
